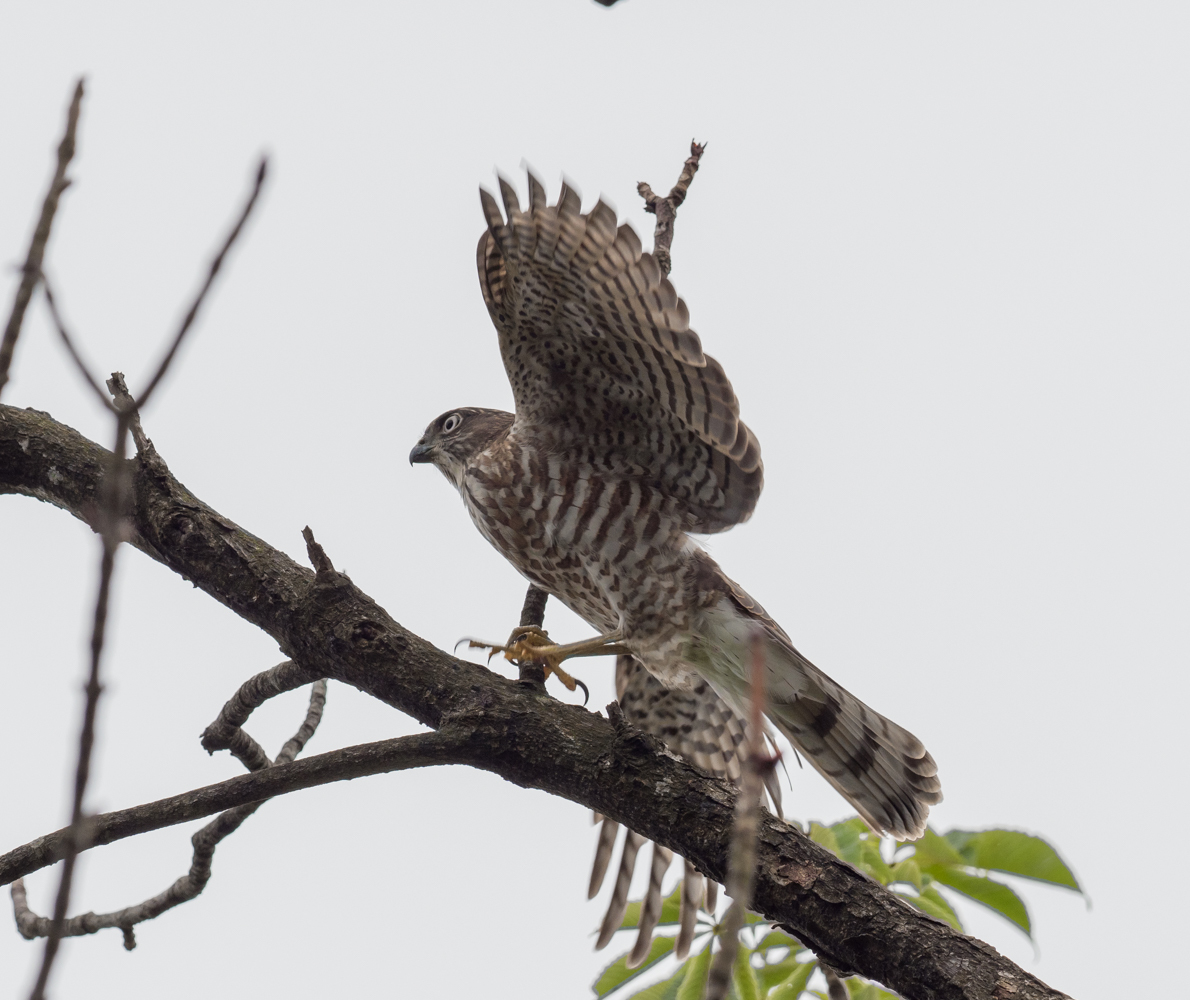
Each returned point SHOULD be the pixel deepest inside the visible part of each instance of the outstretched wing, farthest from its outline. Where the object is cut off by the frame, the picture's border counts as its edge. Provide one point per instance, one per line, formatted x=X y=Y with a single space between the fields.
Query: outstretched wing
x=602 y=360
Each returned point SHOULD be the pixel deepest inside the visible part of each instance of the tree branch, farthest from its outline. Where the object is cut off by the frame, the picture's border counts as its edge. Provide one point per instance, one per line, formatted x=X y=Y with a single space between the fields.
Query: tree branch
x=666 y=209
x=31 y=272
x=449 y=745
x=190 y=885
x=113 y=495
x=329 y=626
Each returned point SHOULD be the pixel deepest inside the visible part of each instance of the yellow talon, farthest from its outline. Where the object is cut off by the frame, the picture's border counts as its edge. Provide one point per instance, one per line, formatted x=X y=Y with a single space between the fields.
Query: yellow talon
x=530 y=644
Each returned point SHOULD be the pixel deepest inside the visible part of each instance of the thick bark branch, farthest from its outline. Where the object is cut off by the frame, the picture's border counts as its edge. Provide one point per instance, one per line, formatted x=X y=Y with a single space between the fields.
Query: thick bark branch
x=331 y=628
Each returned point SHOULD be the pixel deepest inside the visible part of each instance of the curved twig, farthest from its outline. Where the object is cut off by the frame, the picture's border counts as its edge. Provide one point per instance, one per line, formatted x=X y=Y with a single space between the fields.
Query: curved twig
x=191 y=884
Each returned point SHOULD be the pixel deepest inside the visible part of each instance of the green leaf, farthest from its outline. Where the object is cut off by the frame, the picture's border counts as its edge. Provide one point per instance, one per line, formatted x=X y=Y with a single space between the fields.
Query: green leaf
x=694 y=983
x=933 y=850
x=931 y=902
x=942 y=904
x=779 y=939
x=861 y=989
x=781 y=972
x=667 y=990
x=907 y=871
x=872 y=861
x=1013 y=852
x=631 y=915
x=795 y=985
x=670 y=910
x=994 y=895
x=618 y=973
x=744 y=976
x=847 y=836
x=824 y=836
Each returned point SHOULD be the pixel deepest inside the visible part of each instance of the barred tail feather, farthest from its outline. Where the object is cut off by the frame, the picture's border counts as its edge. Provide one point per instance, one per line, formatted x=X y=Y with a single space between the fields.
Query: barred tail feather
x=603 y=854
x=880 y=768
x=650 y=910
x=688 y=909
x=619 y=901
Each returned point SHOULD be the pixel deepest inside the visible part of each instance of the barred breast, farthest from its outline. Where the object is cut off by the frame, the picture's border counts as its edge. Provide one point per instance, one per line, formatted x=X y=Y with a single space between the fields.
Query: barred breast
x=610 y=548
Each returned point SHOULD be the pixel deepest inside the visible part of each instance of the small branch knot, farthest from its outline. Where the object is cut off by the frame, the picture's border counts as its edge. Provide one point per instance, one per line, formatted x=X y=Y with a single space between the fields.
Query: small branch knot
x=317 y=555
x=127 y=408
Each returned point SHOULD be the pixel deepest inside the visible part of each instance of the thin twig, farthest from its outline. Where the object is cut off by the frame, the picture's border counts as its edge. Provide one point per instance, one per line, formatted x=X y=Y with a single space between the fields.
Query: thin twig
x=226 y=732
x=81 y=365
x=216 y=264
x=111 y=509
x=666 y=209
x=190 y=885
x=31 y=272
x=452 y=744
x=741 y=863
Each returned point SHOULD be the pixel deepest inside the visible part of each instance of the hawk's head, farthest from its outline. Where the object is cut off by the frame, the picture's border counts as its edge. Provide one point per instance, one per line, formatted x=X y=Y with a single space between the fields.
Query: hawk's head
x=456 y=437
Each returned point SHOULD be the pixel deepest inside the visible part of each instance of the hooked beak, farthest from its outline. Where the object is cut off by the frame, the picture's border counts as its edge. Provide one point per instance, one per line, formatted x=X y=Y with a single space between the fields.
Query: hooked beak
x=421 y=453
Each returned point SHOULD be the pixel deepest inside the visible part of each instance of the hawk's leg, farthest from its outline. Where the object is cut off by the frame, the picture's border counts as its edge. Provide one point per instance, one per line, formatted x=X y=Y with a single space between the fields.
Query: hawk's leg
x=529 y=643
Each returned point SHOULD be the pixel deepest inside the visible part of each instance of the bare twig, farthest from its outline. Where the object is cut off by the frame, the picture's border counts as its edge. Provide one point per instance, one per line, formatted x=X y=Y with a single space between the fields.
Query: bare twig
x=453 y=744
x=189 y=885
x=112 y=504
x=226 y=732
x=666 y=209
x=741 y=864
x=124 y=403
x=216 y=264
x=67 y=340
x=31 y=272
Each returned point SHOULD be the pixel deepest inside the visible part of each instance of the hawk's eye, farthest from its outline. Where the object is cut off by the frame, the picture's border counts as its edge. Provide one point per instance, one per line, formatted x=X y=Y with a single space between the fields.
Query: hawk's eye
x=451 y=423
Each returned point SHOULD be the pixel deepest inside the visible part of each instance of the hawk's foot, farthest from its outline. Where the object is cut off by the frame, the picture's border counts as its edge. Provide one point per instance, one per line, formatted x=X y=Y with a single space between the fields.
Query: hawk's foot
x=531 y=644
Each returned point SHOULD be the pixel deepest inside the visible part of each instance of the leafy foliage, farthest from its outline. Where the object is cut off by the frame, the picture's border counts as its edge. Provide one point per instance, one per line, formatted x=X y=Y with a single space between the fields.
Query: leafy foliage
x=772 y=965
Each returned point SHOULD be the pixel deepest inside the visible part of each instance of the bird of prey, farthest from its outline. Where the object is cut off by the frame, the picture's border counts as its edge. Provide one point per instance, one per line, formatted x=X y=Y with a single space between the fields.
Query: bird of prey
x=627 y=440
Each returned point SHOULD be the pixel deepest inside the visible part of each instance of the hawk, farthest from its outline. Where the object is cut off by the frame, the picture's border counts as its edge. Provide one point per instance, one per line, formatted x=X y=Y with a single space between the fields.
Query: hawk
x=627 y=440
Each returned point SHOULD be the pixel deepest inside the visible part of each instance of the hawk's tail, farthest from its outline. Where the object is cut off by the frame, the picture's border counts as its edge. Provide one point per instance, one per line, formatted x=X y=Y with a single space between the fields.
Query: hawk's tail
x=880 y=768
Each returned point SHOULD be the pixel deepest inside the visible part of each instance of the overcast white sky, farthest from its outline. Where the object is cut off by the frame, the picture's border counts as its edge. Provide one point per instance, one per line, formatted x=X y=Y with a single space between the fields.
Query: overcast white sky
x=941 y=251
